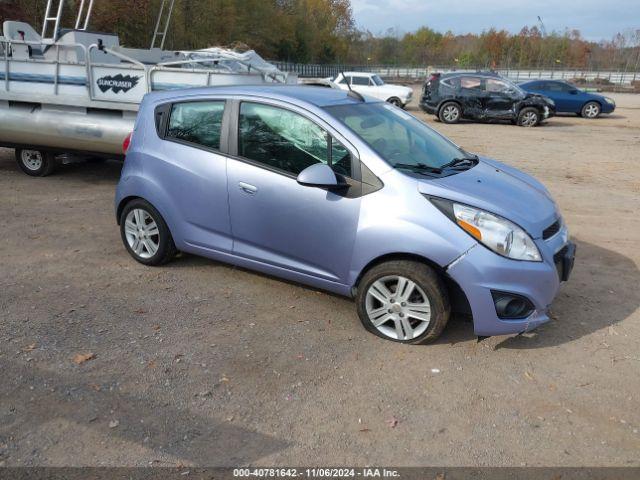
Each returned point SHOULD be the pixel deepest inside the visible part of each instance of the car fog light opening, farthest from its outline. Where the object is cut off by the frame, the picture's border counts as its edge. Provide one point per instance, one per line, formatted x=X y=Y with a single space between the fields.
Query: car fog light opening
x=511 y=305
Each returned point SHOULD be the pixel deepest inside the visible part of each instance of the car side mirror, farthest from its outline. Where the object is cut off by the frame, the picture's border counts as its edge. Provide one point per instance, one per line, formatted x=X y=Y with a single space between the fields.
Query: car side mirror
x=318 y=175
x=573 y=92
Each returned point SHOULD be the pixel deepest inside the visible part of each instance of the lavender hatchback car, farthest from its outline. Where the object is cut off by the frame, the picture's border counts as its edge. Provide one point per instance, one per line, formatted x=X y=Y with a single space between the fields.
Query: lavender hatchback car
x=347 y=194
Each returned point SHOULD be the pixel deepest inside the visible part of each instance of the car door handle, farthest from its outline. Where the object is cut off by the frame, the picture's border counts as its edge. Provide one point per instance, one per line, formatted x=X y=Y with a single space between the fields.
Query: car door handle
x=248 y=188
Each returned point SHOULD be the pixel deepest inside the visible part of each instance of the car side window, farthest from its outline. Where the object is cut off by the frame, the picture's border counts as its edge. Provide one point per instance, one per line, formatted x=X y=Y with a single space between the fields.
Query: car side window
x=496 y=86
x=345 y=80
x=282 y=139
x=360 y=81
x=199 y=123
x=471 y=83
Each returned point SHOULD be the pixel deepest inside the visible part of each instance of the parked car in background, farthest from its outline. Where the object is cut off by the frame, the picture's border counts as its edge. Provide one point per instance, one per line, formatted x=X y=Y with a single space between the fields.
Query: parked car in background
x=347 y=194
x=570 y=99
x=371 y=84
x=482 y=96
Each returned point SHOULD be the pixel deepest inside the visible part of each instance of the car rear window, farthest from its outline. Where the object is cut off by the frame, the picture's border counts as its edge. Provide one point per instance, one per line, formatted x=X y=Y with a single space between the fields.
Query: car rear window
x=199 y=123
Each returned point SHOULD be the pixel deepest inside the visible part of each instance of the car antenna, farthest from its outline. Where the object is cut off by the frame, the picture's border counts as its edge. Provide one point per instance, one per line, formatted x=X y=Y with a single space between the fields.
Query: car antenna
x=352 y=93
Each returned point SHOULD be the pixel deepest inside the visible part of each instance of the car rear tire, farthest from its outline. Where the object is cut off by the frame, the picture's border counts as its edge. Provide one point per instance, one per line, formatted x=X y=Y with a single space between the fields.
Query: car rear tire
x=35 y=162
x=528 y=117
x=590 y=110
x=403 y=301
x=450 y=112
x=145 y=234
x=395 y=101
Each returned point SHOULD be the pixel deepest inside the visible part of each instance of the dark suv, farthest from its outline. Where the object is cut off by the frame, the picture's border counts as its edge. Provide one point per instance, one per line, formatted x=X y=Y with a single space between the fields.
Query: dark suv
x=482 y=96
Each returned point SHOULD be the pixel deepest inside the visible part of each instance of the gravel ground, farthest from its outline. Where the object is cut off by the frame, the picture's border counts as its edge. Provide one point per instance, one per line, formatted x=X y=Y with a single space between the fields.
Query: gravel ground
x=199 y=363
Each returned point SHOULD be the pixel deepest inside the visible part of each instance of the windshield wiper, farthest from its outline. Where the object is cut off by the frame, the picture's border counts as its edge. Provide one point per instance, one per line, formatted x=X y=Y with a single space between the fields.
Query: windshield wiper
x=421 y=167
x=461 y=162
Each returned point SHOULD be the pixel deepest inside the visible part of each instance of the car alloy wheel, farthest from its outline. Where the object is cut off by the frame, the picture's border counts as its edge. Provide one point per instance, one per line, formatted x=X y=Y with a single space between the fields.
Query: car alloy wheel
x=398 y=308
x=591 y=110
x=529 y=119
x=450 y=113
x=142 y=233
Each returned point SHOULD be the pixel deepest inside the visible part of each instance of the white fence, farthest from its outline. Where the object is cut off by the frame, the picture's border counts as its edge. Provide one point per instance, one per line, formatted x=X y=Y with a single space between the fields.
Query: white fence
x=616 y=78
x=413 y=73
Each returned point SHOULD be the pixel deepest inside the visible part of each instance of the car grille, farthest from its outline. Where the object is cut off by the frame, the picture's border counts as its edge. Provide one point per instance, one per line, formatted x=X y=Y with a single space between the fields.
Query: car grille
x=551 y=230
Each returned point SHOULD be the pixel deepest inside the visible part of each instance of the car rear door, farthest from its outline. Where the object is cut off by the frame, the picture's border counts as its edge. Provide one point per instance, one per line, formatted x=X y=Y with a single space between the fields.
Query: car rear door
x=275 y=220
x=192 y=171
x=499 y=99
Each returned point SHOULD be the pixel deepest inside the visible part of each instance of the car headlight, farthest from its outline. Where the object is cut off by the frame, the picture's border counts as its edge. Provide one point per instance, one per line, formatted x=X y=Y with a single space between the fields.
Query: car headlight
x=494 y=232
x=610 y=100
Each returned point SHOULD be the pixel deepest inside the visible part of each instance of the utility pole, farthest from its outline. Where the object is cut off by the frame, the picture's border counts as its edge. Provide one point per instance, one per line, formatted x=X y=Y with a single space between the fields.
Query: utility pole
x=543 y=31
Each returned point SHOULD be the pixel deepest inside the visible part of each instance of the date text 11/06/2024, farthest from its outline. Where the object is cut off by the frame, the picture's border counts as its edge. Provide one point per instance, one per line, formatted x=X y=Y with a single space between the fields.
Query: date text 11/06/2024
x=316 y=472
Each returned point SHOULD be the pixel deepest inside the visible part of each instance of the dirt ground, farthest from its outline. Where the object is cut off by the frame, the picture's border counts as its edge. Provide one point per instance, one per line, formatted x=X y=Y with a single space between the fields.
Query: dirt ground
x=199 y=363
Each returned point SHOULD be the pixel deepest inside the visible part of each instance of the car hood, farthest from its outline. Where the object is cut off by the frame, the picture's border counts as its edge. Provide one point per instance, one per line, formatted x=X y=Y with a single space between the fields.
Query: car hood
x=499 y=189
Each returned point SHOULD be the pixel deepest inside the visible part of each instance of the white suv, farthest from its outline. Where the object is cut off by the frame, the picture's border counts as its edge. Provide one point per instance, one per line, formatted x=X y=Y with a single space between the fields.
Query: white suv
x=372 y=85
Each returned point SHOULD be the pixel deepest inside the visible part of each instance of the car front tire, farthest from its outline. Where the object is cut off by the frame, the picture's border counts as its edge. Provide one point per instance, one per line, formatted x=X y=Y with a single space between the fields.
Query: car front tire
x=591 y=110
x=35 y=162
x=403 y=301
x=450 y=113
x=145 y=234
x=528 y=117
x=395 y=101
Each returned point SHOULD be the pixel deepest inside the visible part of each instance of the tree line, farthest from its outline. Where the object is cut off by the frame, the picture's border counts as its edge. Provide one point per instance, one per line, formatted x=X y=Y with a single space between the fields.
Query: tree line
x=324 y=31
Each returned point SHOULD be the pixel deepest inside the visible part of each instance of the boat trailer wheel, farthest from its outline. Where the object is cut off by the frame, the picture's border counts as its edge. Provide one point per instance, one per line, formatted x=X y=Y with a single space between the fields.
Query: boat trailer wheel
x=36 y=163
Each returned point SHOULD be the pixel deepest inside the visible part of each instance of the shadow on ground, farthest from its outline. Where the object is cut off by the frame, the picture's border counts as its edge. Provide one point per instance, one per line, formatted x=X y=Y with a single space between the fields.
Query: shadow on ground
x=162 y=428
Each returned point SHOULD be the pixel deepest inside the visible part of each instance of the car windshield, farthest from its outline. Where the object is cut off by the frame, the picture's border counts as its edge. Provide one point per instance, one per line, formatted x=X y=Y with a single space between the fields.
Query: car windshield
x=377 y=80
x=399 y=138
x=515 y=86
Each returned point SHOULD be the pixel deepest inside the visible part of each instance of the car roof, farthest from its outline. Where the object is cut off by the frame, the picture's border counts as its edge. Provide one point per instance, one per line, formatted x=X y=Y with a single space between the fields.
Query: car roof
x=471 y=74
x=546 y=80
x=358 y=74
x=316 y=96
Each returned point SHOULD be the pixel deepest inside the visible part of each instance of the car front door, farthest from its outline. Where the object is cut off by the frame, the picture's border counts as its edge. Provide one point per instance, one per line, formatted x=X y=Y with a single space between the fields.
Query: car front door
x=274 y=219
x=556 y=92
x=573 y=98
x=499 y=99
x=364 y=85
x=189 y=156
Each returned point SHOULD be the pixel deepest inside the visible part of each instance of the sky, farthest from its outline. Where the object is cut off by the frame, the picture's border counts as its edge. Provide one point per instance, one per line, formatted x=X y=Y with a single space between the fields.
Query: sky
x=596 y=19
